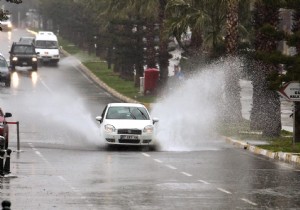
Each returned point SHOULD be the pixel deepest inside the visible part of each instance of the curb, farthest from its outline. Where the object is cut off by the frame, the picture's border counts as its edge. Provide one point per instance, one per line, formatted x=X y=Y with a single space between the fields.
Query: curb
x=100 y=82
x=282 y=156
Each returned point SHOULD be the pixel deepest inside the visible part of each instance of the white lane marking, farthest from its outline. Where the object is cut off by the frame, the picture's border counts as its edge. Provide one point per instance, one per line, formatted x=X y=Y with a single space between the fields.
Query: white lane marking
x=38 y=153
x=62 y=178
x=171 y=167
x=157 y=160
x=250 y=202
x=80 y=71
x=187 y=174
x=225 y=191
x=145 y=154
x=204 y=182
x=46 y=86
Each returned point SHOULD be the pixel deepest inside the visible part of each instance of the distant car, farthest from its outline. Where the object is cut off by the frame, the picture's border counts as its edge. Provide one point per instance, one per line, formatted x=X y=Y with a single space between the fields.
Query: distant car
x=4 y=130
x=5 y=73
x=23 y=54
x=27 y=40
x=127 y=124
x=6 y=25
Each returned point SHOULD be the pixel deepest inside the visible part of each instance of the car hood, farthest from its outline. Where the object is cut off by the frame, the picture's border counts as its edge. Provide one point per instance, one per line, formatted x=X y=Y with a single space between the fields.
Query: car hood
x=130 y=124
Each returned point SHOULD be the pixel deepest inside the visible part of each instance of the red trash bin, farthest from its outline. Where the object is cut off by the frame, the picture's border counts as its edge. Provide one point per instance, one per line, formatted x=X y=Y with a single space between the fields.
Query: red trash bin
x=150 y=79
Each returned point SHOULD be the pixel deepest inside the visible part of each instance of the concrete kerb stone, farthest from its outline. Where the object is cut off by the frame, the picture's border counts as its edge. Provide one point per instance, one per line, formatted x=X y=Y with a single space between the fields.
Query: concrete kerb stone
x=100 y=82
x=282 y=156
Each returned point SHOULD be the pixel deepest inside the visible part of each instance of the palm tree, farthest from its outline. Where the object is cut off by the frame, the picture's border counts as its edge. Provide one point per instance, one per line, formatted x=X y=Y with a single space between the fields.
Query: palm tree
x=233 y=106
x=265 y=113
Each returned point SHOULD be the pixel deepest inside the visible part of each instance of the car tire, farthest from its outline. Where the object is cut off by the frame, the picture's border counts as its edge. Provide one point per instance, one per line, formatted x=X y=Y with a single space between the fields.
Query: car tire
x=7 y=83
x=34 y=68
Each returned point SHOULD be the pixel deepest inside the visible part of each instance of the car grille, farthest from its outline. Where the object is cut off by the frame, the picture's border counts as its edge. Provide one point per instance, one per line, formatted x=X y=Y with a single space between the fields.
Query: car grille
x=129 y=131
x=129 y=141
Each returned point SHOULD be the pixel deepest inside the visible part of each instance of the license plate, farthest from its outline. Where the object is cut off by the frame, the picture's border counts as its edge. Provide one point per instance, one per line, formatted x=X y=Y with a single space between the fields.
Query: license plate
x=24 y=63
x=128 y=137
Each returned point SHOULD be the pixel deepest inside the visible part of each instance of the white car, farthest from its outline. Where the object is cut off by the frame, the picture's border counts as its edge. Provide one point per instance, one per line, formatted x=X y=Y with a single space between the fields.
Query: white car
x=6 y=25
x=127 y=124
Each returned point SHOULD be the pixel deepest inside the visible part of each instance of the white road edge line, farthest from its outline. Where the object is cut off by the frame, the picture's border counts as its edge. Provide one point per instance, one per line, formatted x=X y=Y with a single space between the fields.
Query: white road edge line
x=77 y=67
x=204 y=182
x=187 y=174
x=171 y=167
x=225 y=191
x=250 y=202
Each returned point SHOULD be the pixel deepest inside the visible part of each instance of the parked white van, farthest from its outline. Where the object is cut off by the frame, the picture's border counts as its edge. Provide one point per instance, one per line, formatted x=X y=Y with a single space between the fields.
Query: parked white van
x=46 y=44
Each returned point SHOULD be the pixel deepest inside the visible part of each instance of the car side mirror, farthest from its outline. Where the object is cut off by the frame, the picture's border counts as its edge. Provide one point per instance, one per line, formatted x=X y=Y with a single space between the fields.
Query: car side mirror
x=99 y=118
x=155 y=120
x=8 y=114
x=2 y=142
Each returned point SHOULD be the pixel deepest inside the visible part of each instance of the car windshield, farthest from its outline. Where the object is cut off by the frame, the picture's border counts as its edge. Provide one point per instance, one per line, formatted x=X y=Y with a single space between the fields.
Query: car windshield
x=23 y=49
x=131 y=113
x=46 y=44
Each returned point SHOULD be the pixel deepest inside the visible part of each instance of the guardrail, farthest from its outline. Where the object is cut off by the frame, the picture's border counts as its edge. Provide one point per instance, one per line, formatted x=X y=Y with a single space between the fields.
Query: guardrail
x=18 y=133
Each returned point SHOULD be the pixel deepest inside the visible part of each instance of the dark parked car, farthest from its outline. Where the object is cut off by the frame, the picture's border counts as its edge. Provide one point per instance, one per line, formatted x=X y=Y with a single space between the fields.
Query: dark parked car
x=4 y=72
x=23 y=54
x=4 y=131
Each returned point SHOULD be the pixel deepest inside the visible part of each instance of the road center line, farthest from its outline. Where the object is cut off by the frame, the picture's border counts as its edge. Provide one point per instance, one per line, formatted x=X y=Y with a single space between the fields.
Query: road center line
x=204 y=182
x=247 y=201
x=171 y=167
x=42 y=81
x=157 y=160
x=187 y=174
x=225 y=191
x=145 y=154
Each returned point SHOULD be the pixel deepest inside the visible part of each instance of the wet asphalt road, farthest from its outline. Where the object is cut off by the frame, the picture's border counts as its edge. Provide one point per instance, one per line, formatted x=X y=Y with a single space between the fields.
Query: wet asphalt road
x=62 y=165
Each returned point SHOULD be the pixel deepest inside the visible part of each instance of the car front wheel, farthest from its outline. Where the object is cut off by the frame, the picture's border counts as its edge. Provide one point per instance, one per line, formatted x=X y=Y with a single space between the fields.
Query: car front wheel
x=7 y=83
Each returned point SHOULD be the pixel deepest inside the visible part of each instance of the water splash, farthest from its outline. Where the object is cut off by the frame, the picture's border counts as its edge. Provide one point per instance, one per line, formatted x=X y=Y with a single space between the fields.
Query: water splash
x=189 y=113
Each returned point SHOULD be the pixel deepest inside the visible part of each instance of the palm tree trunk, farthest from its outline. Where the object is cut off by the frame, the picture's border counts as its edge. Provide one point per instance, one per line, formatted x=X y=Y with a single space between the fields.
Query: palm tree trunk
x=164 y=55
x=265 y=113
x=233 y=106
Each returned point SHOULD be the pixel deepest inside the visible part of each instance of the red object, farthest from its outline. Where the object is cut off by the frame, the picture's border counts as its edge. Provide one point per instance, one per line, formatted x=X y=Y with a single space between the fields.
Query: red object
x=150 y=79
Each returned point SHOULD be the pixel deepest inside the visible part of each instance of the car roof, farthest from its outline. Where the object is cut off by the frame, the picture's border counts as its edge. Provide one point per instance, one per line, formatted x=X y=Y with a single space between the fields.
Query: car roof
x=23 y=43
x=126 y=104
x=45 y=33
x=27 y=37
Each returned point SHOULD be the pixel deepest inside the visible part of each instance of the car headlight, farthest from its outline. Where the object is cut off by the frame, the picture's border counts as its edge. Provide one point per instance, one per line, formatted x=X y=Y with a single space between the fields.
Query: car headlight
x=9 y=25
x=34 y=59
x=15 y=58
x=148 y=129
x=109 y=128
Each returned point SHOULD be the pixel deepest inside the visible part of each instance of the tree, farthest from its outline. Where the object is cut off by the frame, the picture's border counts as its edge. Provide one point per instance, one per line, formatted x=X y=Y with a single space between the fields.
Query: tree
x=233 y=106
x=4 y=13
x=265 y=113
